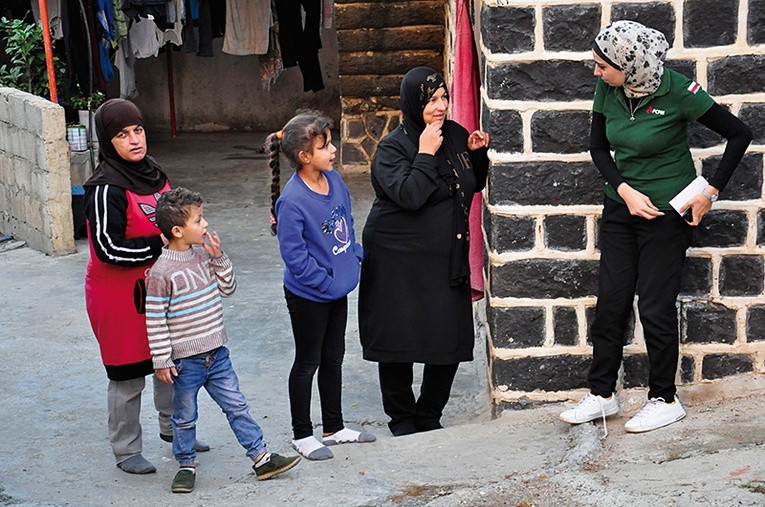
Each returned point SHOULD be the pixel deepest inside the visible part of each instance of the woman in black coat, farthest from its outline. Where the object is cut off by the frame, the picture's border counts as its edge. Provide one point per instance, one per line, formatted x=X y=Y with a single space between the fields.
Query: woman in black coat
x=415 y=300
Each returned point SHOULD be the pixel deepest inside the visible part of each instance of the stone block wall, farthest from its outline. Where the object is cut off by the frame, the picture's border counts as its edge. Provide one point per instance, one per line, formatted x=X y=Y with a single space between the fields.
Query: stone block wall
x=35 y=190
x=544 y=198
x=378 y=42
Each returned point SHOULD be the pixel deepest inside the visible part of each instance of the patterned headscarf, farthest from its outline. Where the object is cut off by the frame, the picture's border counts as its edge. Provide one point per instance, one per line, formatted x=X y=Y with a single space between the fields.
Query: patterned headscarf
x=417 y=87
x=636 y=50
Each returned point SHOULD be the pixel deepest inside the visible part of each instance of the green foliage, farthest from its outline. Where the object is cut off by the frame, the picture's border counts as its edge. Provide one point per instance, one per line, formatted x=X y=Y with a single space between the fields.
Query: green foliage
x=83 y=102
x=27 y=70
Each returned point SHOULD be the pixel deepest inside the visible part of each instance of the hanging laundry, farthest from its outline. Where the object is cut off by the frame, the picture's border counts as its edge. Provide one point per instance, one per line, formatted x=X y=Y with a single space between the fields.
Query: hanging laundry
x=124 y=60
x=271 y=63
x=300 y=43
x=247 y=27
x=78 y=33
x=174 y=31
x=54 y=16
x=209 y=16
x=144 y=37
x=120 y=23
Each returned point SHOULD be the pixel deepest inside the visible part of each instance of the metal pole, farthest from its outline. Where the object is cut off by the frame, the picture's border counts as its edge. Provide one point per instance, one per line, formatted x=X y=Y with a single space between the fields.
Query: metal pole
x=48 y=50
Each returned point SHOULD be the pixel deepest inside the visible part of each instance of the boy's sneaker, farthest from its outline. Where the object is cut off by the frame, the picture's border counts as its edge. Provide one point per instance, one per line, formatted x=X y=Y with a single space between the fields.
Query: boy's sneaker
x=656 y=413
x=184 y=480
x=590 y=408
x=275 y=465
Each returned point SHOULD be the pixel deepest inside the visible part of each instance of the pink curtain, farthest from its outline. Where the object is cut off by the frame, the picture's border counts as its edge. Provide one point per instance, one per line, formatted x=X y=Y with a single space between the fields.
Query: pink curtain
x=465 y=111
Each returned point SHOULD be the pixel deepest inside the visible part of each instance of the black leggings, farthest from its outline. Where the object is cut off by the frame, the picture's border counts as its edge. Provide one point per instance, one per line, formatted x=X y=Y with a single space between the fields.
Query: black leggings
x=319 y=331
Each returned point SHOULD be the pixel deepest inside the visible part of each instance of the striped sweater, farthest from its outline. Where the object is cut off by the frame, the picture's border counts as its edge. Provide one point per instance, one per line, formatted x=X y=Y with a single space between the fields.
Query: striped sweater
x=184 y=314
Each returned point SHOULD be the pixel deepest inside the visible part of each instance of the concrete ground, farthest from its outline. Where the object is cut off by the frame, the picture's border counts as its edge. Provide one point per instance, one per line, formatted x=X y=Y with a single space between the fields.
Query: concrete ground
x=54 y=448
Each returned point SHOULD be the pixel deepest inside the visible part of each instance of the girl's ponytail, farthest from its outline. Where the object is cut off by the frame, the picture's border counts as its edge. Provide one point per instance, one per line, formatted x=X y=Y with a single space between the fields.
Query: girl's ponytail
x=273 y=142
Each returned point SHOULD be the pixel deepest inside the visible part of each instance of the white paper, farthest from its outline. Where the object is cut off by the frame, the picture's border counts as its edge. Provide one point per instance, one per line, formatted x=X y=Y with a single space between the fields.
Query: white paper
x=693 y=189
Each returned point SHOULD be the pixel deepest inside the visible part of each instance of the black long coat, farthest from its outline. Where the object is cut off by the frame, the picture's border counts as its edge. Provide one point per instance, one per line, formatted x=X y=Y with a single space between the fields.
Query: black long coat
x=409 y=311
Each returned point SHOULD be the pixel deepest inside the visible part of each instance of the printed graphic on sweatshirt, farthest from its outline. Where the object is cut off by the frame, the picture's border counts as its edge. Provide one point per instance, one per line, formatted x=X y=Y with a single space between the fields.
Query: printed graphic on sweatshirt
x=338 y=227
x=149 y=210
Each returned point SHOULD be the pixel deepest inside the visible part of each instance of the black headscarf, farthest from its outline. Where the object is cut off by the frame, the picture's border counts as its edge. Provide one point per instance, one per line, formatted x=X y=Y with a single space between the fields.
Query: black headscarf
x=144 y=177
x=417 y=87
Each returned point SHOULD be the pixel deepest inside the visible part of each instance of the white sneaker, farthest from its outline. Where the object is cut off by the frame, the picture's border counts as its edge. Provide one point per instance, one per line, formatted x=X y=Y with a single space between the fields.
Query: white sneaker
x=590 y=408
x=656 y=413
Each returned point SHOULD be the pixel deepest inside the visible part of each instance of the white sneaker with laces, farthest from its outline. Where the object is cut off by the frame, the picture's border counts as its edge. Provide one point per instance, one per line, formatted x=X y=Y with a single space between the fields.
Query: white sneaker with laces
x=656 y=413
x=590 y=408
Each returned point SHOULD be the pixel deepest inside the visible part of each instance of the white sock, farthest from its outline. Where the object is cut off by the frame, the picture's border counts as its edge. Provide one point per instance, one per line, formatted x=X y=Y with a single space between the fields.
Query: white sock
x=312 y=448
x=345 y=436
x=266 y=457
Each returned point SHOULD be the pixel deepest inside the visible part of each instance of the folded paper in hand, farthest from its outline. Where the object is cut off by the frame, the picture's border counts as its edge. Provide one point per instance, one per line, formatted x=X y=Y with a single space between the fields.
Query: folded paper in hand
x=693 y=189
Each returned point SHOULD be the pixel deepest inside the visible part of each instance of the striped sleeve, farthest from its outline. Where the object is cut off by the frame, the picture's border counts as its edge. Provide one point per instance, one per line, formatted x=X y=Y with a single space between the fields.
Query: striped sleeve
x=158 y=292
x=106 y=211
x=224 y=272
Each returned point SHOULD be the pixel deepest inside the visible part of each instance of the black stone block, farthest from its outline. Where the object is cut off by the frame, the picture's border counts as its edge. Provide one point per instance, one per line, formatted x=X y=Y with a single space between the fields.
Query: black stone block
x=560 y=131
x=736 y=75
x=755 y=26
x=545 y=279
x=708 y=323
x=556 y=373
x=696 y=279
x=635 y=370
x=565 y=232
x=566 y=325
x=721 y=228
x=741 y=275
x=687 y=369
x=754 y=117
x=510 y=233
x=700 y=136
x=705 y=25
x=543 y=80
x=506 y=129
x=745 y=182
x=519 y=327
x=547 y=183
x=761 y=227
x=755 y=323
x=659 y=16
x=684 y=67
x=570 y=27
x=507 y=30
x=724 y=365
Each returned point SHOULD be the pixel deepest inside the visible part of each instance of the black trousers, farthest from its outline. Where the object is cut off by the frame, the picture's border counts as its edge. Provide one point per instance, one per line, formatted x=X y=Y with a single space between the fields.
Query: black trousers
x=300 y=42
x=645 y=256
x=319 y=331
x=408 y=415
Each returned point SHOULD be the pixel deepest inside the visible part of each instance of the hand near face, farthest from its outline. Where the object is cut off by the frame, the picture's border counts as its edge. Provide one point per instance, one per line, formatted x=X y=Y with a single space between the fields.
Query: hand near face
x=212 y=245
x=431 y=138
x=478 y=139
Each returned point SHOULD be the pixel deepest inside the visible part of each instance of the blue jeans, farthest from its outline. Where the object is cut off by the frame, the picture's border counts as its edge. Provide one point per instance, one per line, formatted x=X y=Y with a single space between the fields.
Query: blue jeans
x=216 y=374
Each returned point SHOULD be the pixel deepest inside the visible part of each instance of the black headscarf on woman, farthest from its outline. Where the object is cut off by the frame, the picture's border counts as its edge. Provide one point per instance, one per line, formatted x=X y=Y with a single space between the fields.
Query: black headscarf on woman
x=144 y=177
x=417 y=87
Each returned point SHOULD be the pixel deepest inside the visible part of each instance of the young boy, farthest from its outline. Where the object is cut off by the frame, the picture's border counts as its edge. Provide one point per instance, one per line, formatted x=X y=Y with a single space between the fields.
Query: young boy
x=184 y=320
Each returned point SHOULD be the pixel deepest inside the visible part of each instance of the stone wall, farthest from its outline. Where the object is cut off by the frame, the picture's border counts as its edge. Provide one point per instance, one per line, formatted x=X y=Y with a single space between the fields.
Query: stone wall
x=35 y=190
x=544 y=198
x=378 y=42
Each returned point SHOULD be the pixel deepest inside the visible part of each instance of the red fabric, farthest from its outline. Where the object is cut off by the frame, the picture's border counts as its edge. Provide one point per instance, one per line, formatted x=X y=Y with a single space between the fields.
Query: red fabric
x=465 y=104
x=115 y=295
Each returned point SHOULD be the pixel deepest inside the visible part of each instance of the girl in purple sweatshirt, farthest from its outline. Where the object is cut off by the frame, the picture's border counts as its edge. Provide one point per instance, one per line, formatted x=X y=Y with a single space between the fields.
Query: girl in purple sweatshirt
x=312 y=220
